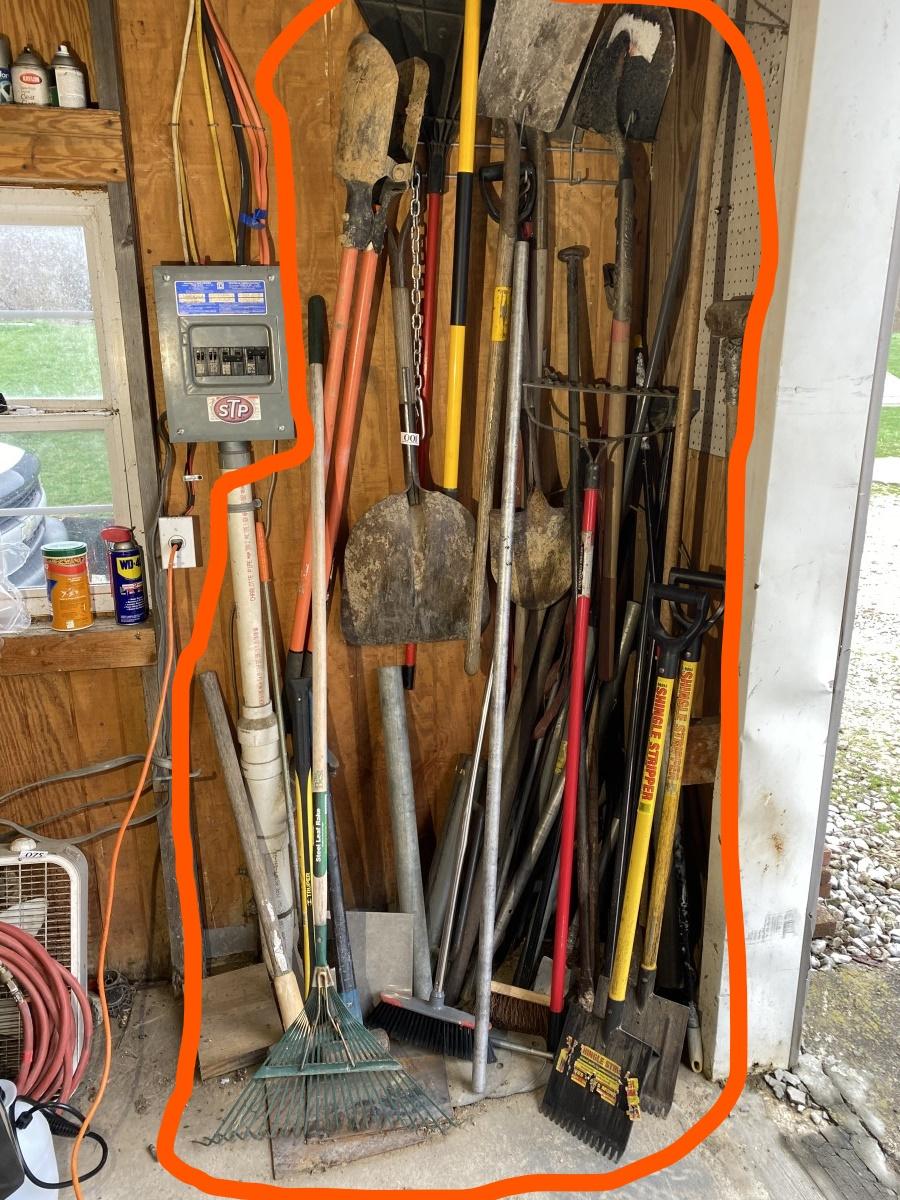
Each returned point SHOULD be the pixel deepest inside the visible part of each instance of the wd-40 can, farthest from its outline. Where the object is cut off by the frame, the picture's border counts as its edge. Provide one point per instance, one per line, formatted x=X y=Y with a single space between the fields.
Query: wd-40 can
x=5 y=71
x=126 y=577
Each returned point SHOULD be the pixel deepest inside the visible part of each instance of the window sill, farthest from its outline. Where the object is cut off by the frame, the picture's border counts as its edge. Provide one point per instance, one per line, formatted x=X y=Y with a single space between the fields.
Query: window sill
x=40 y=650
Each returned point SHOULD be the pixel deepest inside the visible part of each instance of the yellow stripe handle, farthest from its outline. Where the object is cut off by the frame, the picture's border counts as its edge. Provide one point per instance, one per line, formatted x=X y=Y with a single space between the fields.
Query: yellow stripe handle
x=468 y=102
x=665 y=841
x=643 y=827
x=456 y=363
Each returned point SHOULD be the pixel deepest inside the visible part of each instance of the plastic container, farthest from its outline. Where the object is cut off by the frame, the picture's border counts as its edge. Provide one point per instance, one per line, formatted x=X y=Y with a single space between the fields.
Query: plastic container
x=68 y=586
x=36 y=1147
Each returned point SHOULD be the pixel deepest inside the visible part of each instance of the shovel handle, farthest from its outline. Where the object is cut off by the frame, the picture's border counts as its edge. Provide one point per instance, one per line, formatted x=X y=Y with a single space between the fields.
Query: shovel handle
x=342 y=443
x=573 y=749
x=665 y=841
x=334 y=371
x=503 y=270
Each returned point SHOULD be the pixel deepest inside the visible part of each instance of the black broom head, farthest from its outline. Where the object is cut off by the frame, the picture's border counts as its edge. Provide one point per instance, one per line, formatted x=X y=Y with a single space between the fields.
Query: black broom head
x=430 y=1026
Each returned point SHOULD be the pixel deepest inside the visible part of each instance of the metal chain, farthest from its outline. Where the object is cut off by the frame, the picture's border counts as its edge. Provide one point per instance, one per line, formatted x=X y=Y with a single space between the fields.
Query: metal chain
x=416 y=277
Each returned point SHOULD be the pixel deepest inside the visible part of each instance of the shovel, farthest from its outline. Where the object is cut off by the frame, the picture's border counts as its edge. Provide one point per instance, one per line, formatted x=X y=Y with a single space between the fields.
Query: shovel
x=532 y=56
x=407 y=560
x=621 y=96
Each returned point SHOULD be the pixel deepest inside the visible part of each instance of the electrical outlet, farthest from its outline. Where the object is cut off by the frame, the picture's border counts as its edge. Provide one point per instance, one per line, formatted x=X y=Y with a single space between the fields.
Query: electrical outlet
x=188 y=530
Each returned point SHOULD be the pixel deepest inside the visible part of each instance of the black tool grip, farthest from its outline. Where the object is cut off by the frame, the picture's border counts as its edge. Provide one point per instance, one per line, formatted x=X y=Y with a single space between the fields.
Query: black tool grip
x=315 y=329
x=712 y=580
x=673 y=645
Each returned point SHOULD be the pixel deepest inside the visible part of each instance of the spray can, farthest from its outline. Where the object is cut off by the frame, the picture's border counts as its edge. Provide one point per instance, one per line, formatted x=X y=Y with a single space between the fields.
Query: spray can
x=5 y=71
x=68 y=586
x=71 y=84
x=30 y=79
x=126 y=577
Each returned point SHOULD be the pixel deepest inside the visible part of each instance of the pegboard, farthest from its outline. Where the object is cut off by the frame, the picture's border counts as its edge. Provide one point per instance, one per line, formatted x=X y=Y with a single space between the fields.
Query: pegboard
x=732 y=249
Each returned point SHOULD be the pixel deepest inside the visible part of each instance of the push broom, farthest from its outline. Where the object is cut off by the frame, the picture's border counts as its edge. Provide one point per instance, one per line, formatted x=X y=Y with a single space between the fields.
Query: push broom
x=327 y=1075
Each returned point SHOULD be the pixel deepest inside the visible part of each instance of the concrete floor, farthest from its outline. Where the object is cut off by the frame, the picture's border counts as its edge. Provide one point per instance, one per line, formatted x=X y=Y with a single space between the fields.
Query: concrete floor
x=749 y=1158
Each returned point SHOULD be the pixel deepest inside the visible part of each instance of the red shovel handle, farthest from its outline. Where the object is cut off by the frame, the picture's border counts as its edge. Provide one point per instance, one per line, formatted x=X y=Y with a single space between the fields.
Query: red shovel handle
x=339 y=445
x=573 y=740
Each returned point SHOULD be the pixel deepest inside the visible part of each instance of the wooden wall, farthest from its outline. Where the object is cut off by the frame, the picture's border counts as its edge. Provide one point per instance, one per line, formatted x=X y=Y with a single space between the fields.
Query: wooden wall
x=65 y=719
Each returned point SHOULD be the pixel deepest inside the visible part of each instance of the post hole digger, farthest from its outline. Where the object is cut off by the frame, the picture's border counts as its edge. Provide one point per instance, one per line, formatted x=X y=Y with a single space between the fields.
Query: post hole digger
x=602 y=1060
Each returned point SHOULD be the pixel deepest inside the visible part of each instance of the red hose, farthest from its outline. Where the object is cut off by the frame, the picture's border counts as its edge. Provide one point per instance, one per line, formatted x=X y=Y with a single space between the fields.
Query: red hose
x=44 y=989
x=573 y=742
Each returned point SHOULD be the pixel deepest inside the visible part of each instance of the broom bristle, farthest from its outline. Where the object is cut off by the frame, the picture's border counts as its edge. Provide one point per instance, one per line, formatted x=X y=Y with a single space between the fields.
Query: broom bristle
x=435 y=1028
x=328 y=1075
x=519 y=1010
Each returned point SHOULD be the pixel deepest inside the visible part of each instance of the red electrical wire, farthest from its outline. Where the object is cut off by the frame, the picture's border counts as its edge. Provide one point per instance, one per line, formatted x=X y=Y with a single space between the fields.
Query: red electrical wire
x=43 y=989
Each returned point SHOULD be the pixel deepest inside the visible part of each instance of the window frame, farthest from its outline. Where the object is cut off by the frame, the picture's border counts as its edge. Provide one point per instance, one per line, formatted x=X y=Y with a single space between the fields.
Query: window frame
x=88 y=209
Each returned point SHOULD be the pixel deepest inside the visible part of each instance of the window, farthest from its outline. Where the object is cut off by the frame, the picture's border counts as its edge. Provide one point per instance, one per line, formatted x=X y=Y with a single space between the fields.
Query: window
x=67 y=453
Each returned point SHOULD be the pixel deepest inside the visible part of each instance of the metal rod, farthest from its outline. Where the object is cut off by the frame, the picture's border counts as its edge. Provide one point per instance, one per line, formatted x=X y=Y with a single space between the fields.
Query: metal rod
x=501 y=661
x=403 y=822
x=462 y=846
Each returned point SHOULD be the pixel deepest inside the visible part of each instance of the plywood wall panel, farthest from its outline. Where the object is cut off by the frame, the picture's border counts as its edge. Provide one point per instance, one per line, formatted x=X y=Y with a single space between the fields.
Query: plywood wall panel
x=443 y=709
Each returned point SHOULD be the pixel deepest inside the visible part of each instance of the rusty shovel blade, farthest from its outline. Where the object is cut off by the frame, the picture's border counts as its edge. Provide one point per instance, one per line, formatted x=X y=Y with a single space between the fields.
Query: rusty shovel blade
x=541 y=553
x=531 y=59
x=407 y=572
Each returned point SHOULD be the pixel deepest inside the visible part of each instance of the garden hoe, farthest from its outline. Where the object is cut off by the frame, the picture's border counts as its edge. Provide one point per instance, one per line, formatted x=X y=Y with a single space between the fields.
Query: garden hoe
x=605 y=1058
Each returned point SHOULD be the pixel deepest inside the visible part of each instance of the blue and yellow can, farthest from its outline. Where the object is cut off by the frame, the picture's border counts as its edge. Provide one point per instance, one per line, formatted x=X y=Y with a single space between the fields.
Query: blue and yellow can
x=126 y=577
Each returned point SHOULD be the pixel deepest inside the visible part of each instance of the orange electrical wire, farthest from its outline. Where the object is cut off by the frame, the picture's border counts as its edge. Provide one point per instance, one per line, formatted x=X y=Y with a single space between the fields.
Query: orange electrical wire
x=252 y=122
x=114 y=862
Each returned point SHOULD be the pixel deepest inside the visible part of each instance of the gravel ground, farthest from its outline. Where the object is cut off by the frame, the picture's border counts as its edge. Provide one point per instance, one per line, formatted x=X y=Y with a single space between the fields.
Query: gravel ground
x=863 y=830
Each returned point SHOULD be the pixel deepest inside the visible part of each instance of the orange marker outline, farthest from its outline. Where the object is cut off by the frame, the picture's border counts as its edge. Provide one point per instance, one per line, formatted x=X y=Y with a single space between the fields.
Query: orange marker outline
x=196 y=647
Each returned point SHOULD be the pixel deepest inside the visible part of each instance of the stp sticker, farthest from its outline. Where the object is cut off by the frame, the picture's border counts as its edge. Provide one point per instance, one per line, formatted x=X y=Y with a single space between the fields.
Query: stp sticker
x=233 y=410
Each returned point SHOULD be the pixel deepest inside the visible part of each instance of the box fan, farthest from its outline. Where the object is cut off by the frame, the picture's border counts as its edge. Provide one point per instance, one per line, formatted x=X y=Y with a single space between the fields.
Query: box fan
x=43 y=890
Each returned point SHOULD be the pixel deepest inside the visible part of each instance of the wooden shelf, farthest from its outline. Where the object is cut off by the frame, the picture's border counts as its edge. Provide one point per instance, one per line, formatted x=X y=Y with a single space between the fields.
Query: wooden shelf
x=41 y=650
x=60 y=145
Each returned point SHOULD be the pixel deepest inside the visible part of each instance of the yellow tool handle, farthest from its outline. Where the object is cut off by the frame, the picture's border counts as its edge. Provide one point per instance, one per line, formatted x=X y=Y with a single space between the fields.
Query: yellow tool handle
x=665 y=840
x=468 y=94
x=456 y=355
x=643 y=827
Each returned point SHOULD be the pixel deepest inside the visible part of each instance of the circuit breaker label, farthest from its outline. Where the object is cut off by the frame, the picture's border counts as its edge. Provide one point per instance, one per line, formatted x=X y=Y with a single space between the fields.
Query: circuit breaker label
x=220 y=297
x=233 y=410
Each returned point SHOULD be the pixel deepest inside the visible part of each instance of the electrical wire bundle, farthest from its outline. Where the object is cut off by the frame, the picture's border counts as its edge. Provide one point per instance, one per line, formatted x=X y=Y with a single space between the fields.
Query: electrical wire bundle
x=249 y=140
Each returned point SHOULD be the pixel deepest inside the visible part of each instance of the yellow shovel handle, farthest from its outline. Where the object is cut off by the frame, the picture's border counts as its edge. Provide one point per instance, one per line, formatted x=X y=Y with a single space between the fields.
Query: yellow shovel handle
x=665 y=840
x=643 y=827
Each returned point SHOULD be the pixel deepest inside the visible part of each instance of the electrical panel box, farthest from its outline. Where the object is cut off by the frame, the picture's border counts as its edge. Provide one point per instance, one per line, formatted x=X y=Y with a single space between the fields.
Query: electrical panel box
x=221 y=339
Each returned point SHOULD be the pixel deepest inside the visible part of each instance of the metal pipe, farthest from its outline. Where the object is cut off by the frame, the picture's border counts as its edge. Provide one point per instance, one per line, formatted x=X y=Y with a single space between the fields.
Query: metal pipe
x=462 y=845
x=403 y=822
x=500 y=664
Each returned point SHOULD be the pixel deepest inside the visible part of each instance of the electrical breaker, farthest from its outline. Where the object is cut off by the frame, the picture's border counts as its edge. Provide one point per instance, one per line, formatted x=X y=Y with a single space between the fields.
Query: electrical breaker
x=221 y=339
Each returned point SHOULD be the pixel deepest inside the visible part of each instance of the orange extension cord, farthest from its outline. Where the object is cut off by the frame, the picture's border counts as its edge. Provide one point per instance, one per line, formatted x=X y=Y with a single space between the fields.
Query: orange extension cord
x=114 y=862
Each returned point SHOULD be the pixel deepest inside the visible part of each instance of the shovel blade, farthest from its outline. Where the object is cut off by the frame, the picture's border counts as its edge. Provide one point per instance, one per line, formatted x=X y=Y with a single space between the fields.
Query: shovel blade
x=626 y=80
x=662 y=1025
x=541 y=553
x=407 y=571
x=367 y=113
x=532 y=56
